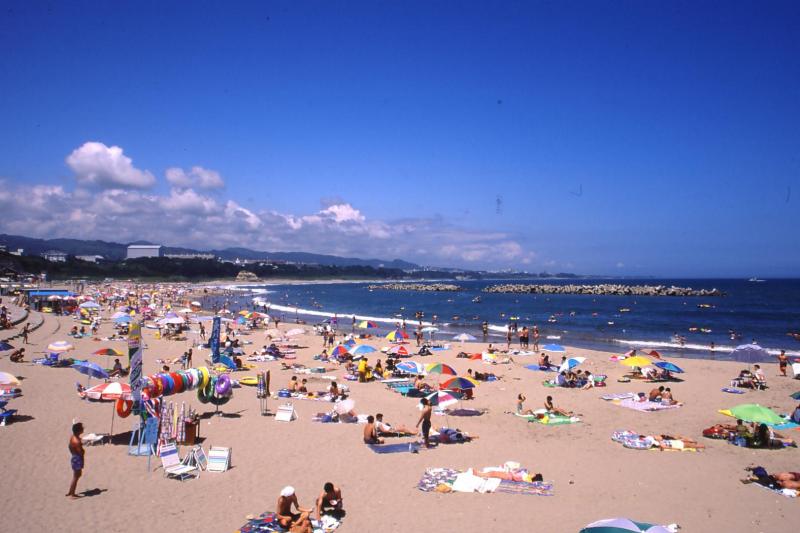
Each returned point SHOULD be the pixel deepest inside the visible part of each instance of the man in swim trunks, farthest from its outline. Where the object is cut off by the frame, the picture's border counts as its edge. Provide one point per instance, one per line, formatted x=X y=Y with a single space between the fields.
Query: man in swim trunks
x=76 y=460
x=783 y=362
x=330 y=501
x=425 y=420
x=295 y=522
x=655 y=394
x=371 y=432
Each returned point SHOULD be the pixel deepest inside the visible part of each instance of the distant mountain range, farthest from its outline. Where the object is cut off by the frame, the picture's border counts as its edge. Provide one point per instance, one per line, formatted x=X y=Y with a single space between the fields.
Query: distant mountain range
x=116 y=252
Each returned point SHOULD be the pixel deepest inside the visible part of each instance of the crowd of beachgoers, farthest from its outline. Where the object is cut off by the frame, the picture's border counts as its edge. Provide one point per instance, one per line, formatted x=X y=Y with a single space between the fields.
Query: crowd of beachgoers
x=290 y=418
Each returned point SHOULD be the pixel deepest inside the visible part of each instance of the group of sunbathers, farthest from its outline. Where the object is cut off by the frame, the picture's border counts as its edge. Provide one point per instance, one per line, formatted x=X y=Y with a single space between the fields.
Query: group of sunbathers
x=661 y=395
x=377 y=428
x=297 y=519
x=549 y=407
x=750 y=380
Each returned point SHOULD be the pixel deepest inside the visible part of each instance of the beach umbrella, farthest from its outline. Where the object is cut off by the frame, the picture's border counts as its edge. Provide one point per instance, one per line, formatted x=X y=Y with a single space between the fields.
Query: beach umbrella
x=124 y=319
x=92 y=370
x=397 y=335
x=464 y=337
x=459 y=383
x=429 y=329
x=8 y=381
x=669 y=367
x=571 y=363
x=295 y=331
x=653 y=353
x=89 y=305
x=362 y=349
x=398 y=350
x=349 y=343
x=441 y=368
x=622 y=525
x=476 y=356
x=109 y=352
x=171 y=320
x=753 y=412
x=750 y=353
x=636 y=360
x=53 y=298
x=443 y=398
x=59 y=347
x=118 y=314
x=411 y=367
x=196 y=304
x=367 y=324
x=339 y=351
x=4 y=346
x=113 y=390
x=554 y=348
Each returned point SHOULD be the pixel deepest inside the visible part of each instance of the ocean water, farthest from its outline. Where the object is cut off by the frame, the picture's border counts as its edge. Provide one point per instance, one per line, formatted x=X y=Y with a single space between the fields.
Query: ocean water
x=762 y=312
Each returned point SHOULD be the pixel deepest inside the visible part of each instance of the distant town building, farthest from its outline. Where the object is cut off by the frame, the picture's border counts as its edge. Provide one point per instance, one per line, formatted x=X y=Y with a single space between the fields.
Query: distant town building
x=90 y=258
x=191 y=256
x=3 y=248
x=17 y=252
x=144 y=250
x=55 y=256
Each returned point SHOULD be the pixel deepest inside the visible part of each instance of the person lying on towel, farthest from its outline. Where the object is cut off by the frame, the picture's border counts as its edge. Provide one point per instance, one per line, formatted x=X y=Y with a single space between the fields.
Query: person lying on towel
x=387 y=430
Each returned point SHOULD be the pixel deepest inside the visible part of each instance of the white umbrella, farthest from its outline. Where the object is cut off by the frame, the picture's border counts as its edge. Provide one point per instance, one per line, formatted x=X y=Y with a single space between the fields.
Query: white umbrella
x=8 y=380
x=464 y=337
x=171 y=320
x=344 y=406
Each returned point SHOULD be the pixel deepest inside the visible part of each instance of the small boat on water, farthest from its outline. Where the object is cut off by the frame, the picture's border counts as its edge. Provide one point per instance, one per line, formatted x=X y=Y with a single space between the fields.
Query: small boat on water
x=705 y=306
x=756 y=280
x=552 y=319
x=476 y=300
x=624 y=310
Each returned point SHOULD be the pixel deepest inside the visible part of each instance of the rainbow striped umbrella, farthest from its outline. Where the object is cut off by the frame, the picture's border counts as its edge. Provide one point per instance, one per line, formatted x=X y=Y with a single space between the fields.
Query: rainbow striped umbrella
x=339 y=351
x=397 y=335
x=443 y=398
x=110 y=352
x=459 y=383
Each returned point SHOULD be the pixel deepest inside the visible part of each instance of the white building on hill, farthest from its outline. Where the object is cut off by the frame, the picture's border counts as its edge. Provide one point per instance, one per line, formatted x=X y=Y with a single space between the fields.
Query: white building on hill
x=144 y=250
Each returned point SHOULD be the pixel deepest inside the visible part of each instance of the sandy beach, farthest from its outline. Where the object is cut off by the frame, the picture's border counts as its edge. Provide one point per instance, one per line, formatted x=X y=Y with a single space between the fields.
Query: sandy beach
x=593 y=477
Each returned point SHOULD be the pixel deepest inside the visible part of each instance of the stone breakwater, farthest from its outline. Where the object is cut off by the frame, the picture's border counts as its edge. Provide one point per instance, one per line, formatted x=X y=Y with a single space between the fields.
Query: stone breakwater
x=604 y=289
x=430 y=287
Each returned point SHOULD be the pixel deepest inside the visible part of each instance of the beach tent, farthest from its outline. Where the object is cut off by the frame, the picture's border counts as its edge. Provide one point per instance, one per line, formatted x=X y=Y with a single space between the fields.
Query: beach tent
x=750 y=353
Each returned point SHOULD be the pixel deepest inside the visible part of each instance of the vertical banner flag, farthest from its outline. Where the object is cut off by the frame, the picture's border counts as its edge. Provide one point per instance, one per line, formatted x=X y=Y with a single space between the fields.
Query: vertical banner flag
x=135 y=363
x=213 y=341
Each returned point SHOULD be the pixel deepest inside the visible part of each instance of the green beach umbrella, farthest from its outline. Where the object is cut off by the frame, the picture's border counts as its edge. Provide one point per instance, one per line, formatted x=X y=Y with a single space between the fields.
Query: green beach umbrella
x=752 y=412
x=622 y=525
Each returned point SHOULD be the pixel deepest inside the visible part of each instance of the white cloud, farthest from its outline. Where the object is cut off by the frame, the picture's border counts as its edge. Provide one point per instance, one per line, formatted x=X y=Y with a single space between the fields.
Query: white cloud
x=199 y=177
x=98 y=165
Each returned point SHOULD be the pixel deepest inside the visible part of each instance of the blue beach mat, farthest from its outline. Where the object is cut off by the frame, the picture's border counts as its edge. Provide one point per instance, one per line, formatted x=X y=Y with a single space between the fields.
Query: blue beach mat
x=732 y=390
x=400 y=447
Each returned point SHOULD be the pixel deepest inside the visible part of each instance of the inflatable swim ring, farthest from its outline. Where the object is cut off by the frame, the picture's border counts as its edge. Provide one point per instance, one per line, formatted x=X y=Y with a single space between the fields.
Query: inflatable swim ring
x=223 y=386
x=124 y=407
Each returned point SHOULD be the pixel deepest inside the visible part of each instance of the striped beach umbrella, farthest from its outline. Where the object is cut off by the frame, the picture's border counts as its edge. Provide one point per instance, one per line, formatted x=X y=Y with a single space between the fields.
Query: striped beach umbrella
x=441 y=368
x=443 y=398
x=397 y=335
x=622 y=525
x=339 y=351
x=411 y=367
x=398 y=350
x=109 y=352
x=458 y=382
x=59 y=347
x=571 y=363
x=367 y=324
x=8 y=381
x=108 y=391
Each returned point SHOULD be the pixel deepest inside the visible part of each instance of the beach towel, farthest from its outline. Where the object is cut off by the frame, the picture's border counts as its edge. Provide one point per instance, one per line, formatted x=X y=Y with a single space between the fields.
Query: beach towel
x=618 y=396
x=436 y=477
x=400 y=447
x=554 y=420
x=731 y=390
x=535 y=488
x=644 y=406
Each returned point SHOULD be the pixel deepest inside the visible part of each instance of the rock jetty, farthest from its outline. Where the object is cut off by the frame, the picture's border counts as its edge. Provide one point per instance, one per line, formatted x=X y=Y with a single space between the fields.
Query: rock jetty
x=430 y=287
x=604 y=289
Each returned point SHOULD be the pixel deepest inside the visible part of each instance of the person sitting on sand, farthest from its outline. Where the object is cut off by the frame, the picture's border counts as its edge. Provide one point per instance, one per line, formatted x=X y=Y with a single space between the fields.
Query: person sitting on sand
x=17 y=356
x=293 y=385
x=544 y=362
x=303 y=387
x=589 y=381
x=419 y=384
x=296 y=522
x=765 y=437
x=667 y=399
x=378 y=370
x=371 y=432
x=551 y=408
x=334 y=391
x=656 y=394
x=388 y=430
x=759 y=377
x=116 y=370
x=521 y=406
x=330 y=501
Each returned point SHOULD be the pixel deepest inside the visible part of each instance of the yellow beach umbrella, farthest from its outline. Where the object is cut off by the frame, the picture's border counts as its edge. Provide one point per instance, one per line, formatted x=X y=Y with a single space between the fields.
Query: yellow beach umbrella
x=636 y=360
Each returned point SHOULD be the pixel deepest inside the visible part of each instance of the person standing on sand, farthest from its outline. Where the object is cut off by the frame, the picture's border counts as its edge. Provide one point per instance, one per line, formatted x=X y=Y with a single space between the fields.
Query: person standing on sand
x=783 y=362
x=508 y=338
x=76 y=460
x=25 y=331
x=425 y=420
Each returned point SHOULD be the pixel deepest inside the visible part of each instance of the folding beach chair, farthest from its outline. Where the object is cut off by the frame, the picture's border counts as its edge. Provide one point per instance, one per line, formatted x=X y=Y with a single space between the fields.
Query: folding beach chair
x=173 y=466
x=219 y=459
x=199 y=458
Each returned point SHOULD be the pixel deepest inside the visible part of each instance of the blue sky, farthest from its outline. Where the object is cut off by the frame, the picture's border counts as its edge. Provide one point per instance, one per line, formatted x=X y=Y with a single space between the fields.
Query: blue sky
x=595 y=137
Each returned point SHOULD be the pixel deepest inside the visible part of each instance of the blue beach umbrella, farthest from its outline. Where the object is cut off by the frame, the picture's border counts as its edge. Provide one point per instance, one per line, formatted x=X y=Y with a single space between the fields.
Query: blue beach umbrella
x=125 y=319
x=92 y=370
x=554 y=348
x=796 y=395
x=669 y=367
x=411 y=367
x=4 y=346
x=622 y=525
